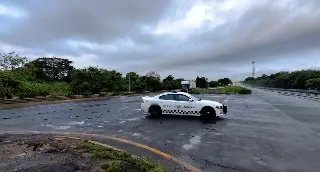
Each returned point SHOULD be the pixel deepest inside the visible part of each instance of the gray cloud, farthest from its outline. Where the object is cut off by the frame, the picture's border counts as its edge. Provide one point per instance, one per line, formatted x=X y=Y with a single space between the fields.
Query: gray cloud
x=97 y=21
x=269 y=34
x=263 y=33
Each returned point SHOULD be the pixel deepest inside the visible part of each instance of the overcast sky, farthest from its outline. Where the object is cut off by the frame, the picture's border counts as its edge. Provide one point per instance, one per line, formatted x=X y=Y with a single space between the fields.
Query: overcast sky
x=185 y=38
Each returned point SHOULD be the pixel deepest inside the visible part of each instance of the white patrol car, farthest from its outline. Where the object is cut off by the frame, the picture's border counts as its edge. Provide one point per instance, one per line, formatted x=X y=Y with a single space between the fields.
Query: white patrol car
x=180 y=103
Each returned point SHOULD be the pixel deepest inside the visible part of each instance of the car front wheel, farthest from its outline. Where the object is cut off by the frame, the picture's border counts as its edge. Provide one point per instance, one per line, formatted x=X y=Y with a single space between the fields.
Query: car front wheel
x=208 y=113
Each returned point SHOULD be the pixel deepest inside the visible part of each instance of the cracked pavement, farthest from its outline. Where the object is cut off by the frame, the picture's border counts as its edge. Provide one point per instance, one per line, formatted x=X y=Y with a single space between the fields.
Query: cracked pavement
x=262 y=132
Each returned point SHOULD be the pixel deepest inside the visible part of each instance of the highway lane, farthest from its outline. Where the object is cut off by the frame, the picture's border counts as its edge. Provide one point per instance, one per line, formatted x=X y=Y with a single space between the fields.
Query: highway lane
x=303 y=112
x=262 y=132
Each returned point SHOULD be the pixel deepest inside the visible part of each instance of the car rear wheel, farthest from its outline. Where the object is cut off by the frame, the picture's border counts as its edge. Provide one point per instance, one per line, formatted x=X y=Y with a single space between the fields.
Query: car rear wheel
x=208 y=113
x=155 y=110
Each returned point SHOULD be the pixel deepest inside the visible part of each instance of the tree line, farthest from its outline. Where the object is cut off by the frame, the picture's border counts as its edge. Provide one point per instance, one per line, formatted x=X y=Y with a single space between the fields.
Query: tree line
x=303 y=79
x=57 y=76
x=203 y=82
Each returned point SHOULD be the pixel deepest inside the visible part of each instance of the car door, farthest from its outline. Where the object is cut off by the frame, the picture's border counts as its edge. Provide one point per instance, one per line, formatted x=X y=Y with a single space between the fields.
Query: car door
x=184 y=105
x=167 y=103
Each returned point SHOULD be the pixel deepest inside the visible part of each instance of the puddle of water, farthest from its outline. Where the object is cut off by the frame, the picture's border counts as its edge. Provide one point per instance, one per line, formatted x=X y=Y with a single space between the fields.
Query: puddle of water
x=61 y=127
x=20 y=155
x=136 y=134
x=133 y=119
x=77 y=122
x=192 y=142
x=218 y=134
x=124 y=108
x=259 y=161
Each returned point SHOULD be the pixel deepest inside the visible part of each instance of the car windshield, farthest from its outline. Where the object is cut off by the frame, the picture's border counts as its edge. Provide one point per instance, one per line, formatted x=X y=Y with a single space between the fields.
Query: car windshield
x=194 y=98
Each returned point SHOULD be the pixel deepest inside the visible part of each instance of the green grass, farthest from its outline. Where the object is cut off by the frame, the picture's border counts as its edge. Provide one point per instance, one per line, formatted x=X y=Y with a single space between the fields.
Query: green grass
x=60 y=89
x=33 y=89
x=119 y=161
x=204 y=91
x=235 y=90
x=221 y=90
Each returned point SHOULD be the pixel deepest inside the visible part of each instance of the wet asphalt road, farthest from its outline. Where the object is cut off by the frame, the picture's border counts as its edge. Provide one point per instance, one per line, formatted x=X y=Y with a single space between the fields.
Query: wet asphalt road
x=262 y=132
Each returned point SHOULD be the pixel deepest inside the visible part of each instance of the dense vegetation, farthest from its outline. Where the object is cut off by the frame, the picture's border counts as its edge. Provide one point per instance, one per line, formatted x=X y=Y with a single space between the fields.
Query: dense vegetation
x=304 y=79
x=222 y=90
x=57 y=76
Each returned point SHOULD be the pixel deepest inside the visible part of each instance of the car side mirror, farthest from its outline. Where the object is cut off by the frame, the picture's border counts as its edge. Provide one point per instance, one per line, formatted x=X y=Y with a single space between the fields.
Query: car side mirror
x=191 y=100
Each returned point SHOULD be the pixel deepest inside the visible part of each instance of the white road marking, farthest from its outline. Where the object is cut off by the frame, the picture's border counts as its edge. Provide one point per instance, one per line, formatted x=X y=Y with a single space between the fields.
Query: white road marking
x=122 y=122
x=136 y=109
x=99 y=126
x=192 y=142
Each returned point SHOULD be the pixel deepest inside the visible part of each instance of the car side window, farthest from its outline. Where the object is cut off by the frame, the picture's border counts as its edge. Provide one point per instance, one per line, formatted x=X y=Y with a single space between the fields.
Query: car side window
x=167 y=97
x=181 y=97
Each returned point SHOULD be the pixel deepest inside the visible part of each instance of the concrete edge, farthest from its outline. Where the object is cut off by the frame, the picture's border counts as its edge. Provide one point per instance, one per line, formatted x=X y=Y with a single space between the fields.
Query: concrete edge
x=30 y=104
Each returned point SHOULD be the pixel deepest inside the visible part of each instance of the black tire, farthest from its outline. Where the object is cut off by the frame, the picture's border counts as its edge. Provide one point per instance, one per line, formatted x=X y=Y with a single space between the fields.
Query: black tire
x=208 y=113
x=155 y=110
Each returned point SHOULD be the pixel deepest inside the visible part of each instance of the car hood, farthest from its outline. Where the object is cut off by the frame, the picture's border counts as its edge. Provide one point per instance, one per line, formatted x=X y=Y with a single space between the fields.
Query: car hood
x=210 y=102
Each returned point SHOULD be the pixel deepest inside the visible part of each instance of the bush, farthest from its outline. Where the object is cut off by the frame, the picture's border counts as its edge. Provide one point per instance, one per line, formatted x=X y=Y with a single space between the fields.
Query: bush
x=313 y=84
x=88 y=81
x=194 y=91
x=235 y=90
x=8 y=85
x=33 y=89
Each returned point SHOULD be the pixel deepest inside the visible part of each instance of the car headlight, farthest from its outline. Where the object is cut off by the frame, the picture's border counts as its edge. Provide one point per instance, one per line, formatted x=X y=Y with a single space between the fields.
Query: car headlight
x=219 y=107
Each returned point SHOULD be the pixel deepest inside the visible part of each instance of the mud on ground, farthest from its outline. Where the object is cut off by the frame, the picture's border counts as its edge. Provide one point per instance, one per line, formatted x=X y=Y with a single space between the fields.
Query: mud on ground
x=50 y=153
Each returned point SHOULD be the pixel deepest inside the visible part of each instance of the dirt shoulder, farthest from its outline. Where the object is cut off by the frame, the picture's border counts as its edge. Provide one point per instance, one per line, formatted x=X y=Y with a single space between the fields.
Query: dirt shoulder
x=17 y=103
x=44 y=153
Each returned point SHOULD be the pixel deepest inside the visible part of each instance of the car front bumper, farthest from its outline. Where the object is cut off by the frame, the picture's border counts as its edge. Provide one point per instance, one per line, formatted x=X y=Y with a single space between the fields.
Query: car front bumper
x=224 y=109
